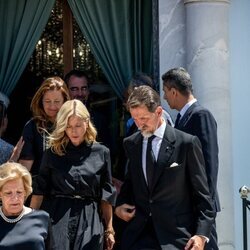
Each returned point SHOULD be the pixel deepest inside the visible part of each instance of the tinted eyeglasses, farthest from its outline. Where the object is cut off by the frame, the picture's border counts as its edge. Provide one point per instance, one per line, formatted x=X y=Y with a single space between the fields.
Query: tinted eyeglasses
x=74 y=89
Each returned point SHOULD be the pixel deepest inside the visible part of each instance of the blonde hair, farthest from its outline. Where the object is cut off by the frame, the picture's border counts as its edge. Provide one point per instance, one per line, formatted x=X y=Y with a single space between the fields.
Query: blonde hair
x=11 y=171
x=58 y=140
x=52 y=83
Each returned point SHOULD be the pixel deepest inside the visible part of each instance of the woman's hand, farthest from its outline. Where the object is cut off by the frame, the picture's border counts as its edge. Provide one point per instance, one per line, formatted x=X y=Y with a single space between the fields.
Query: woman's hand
x=109 y=233
x=17 y=150
x=117 y=183
x=109 y=240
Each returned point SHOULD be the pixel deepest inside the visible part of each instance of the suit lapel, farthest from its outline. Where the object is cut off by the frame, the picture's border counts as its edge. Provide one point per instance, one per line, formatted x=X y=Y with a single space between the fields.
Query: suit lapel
x=136 y=150
x=186 y=116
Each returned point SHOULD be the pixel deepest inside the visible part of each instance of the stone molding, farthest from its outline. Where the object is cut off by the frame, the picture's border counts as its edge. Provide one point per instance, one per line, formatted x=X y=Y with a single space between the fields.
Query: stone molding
x=206 y=1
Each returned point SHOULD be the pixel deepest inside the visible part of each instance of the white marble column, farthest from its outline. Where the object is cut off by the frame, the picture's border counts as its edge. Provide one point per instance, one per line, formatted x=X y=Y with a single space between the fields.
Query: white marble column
x=171 y=39
x=207 y=60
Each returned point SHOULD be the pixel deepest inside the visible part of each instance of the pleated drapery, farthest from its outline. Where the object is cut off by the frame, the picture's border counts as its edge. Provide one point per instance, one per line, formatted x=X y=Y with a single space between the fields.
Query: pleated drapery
x=119 y=33
x=21 y=25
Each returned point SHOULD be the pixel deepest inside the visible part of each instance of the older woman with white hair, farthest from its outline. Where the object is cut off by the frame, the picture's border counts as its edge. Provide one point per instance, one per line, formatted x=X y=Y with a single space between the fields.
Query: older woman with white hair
x=21 y=226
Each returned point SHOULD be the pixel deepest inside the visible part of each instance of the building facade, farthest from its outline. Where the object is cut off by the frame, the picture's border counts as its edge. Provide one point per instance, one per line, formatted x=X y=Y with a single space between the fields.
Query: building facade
x=211 y=38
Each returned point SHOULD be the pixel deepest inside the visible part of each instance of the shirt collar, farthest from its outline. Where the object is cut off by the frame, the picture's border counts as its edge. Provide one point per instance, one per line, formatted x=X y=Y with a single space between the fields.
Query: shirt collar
x=187 y=106
x=159 y=132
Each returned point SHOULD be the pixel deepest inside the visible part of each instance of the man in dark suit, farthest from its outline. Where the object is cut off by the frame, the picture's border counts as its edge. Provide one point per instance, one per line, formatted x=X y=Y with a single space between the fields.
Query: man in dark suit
x=168 y=207
x=196 y=120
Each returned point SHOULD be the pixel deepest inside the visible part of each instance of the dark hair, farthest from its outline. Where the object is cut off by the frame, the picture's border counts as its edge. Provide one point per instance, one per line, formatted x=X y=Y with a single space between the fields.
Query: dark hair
x=3 y=112
x=179 y=79
x=144 y=95
x=139 y=79
x=77 y=73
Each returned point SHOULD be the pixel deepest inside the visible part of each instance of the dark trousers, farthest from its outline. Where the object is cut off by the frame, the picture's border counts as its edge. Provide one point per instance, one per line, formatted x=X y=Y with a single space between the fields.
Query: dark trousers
x=147 y=239
x=119 y=226
x=213 y=239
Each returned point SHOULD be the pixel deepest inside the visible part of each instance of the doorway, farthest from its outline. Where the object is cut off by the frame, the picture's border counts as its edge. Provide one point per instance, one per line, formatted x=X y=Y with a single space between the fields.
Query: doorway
x=62 y=47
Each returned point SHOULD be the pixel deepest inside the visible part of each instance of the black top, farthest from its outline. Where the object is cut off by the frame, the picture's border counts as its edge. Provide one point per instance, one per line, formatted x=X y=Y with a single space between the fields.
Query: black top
x=35 y=144
x=84 y=171
x=30 y=233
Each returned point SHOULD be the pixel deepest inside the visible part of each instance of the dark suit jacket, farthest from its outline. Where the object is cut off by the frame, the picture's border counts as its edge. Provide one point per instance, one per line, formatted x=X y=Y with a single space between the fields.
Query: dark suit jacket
x=200 y=122
x=179 y=202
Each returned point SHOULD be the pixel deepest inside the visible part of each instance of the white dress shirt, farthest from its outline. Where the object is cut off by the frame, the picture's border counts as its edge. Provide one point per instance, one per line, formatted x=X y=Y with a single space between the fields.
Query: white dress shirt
x=186 y=107
x=156 y=144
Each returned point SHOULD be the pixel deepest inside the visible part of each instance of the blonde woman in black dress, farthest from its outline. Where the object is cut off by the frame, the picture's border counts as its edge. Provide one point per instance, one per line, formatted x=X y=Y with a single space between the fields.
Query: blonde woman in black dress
x=76 y=172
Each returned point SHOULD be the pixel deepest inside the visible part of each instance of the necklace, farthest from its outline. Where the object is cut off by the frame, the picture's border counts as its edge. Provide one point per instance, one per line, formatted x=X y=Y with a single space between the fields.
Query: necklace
x=12 y=220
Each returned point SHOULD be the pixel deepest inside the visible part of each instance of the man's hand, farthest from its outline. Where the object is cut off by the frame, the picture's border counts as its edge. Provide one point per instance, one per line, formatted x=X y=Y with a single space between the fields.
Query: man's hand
x=196 y=243
x=125 y=212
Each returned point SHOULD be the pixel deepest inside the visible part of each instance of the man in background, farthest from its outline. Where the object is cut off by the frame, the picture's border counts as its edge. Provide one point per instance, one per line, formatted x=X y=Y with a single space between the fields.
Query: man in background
x=7 y=151
x=6 y=148
x=77 y=82
x=196 y=120
x=79 y=88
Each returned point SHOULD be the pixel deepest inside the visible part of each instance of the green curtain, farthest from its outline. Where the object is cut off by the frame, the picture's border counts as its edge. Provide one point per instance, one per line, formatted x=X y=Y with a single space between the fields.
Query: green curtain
x=21 y=24
x=120 y=36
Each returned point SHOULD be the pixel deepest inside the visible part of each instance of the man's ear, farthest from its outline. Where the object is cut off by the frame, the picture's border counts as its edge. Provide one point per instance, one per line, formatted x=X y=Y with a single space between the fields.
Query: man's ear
x=159 y=110
x=174 y=91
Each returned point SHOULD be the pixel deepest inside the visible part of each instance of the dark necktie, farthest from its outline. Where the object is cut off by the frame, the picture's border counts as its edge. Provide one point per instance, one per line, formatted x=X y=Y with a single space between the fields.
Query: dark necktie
x=177 y=120
x=150 y=161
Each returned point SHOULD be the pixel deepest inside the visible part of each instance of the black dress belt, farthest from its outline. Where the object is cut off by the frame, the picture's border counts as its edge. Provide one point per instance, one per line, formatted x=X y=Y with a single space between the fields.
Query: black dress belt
x=76 y=196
